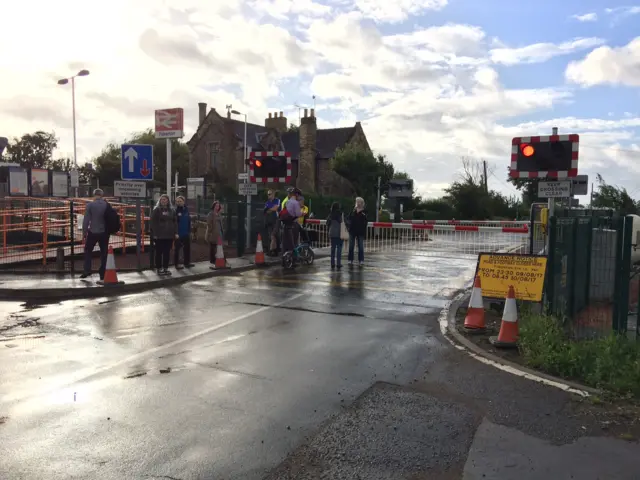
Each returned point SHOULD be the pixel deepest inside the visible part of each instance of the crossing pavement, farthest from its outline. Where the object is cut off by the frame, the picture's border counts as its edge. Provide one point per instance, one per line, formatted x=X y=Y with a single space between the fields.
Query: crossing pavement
x=267 y=374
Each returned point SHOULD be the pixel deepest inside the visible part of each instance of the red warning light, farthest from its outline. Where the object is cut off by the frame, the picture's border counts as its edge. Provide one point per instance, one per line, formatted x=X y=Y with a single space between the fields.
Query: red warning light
x=527 y=150
x=258 y=163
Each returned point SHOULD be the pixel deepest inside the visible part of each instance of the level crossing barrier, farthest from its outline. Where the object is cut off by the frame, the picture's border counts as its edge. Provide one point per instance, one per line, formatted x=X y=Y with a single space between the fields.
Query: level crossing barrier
x=462 y=239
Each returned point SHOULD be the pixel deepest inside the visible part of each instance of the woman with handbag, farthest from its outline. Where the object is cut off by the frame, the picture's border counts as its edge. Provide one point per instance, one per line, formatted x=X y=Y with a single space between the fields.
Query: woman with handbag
x=337 y=233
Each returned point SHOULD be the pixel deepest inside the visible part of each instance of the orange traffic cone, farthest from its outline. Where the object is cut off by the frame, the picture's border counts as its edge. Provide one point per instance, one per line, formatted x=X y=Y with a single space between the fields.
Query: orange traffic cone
x=110 y=274
x=508 y=336
x=221 y=262
x=474 y=321
x=259 y=251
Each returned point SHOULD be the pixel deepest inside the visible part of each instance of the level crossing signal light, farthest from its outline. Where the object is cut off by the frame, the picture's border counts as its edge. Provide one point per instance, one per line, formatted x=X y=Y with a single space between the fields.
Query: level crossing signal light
x=552 y=156
x=269 y=167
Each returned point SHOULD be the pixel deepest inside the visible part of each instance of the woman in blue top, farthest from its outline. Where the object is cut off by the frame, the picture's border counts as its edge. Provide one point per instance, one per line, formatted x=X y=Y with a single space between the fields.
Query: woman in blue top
x=183 y=242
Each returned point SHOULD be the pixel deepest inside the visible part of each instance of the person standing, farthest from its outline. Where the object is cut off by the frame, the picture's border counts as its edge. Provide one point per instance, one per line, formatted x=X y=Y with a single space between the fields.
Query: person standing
x=164 y=229
x=357 y=230
x=214 y=231
x=334 y=224
x=183 y=218
x=271 y=209
x=94 y=231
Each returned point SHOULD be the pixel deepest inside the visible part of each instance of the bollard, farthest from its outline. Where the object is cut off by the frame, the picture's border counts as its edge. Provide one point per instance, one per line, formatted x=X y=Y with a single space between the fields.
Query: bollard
x=60 y=259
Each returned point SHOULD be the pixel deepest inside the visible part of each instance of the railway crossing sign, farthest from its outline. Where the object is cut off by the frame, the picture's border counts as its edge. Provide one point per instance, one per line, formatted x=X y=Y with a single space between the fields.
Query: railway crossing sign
x=546 y=156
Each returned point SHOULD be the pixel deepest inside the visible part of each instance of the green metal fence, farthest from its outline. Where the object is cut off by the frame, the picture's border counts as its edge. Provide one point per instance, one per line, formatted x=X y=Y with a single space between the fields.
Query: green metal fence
x=589 y=266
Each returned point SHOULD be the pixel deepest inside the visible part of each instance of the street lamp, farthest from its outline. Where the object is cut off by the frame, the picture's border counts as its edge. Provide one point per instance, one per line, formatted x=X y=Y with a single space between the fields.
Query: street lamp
x=64 y=81
x=246 y=179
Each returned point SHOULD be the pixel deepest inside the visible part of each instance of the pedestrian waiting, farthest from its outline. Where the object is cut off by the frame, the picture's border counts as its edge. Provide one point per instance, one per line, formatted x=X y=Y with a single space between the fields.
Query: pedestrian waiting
x=335 y=225
x=357 y=230
x=164 y=230
x=183 y=243
x=215 y=231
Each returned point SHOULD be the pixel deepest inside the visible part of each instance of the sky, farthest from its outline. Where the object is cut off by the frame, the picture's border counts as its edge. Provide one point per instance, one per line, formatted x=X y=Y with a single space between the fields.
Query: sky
x=432 y=81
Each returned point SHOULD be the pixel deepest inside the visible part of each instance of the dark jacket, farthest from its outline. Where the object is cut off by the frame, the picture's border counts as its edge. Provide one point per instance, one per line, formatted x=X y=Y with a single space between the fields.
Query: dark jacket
x=358 y=223
x=333 y=224
x=163 y=223
x=184 y=221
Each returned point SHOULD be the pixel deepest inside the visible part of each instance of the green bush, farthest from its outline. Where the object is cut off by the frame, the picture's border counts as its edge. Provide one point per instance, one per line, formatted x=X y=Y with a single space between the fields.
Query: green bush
x=611 y=363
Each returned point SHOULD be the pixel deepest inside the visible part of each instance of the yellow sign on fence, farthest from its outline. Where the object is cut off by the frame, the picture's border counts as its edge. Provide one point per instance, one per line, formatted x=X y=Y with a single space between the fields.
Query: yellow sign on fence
x=524 y=272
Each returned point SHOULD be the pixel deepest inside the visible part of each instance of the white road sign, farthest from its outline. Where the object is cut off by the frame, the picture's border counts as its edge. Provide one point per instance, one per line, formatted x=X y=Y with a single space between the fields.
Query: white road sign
x=243 y=176
x=560 y=189
x=248 y=188
x=580 y=185
x=129 y=189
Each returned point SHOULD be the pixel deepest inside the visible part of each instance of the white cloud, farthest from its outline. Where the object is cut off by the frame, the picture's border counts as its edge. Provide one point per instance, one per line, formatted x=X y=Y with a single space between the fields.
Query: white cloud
x=541 y=52
x=385 y=11
x=607 y=65
x=425 y=95
x=586 y=17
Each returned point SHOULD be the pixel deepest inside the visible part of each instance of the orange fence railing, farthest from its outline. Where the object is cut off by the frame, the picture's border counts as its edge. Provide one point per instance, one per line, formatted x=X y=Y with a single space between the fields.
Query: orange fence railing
x=34 y=229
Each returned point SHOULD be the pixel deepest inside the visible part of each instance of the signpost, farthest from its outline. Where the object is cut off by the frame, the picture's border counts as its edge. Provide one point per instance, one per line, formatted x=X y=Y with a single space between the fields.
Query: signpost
x=137 y=162
x=244 y=176
x=499 y=271
x=554 y=189
x=580 y=185
x=74 y=179
x=124 y=189
x=169 y=124
x=248 y=188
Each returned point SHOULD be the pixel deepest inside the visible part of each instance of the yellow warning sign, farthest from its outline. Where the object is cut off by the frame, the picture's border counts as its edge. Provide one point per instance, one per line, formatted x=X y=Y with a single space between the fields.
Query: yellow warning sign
x=524 y=272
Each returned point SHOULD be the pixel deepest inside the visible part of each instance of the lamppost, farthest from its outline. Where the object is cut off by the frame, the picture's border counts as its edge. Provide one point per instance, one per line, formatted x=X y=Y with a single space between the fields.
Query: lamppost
x=64 y=81
x=246 y=180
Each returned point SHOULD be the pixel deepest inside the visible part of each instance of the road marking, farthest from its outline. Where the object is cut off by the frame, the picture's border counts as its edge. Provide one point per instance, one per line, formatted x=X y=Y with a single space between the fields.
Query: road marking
x=83 y=377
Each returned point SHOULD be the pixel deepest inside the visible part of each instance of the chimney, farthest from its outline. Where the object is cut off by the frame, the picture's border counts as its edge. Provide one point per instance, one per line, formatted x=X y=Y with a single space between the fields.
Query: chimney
x=313 y=114
x=202 y=112
x=277 y=122
x=307 y=161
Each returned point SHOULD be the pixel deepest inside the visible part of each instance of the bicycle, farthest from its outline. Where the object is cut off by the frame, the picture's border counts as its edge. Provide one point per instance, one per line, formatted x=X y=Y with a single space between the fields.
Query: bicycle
x=302 y=252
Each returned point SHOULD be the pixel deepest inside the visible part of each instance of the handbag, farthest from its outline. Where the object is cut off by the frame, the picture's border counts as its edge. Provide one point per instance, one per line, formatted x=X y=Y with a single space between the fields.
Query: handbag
x=344 y=233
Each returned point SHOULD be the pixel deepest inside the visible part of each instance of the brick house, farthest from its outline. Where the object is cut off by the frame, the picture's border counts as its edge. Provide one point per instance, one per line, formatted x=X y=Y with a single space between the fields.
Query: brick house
x=215 y=150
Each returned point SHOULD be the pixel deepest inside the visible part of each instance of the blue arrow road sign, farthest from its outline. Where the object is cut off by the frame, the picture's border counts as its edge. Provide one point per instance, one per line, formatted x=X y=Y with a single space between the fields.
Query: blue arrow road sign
x=137 y=162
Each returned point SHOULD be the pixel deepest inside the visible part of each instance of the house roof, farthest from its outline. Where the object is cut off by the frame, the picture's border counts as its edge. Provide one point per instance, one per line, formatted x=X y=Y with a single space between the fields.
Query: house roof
x=330 y=139
x=327 y=140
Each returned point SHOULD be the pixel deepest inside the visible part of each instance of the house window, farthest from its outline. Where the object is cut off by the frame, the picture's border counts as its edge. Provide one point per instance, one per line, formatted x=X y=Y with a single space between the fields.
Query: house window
x=214 y=152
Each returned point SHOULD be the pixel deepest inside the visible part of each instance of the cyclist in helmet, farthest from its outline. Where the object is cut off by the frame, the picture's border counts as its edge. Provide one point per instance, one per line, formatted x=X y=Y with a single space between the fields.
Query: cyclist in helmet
x=291 y=211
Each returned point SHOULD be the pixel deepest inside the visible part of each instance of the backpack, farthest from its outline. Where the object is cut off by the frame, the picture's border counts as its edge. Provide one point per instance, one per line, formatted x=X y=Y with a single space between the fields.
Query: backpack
x=112 y=223
x=285 y=216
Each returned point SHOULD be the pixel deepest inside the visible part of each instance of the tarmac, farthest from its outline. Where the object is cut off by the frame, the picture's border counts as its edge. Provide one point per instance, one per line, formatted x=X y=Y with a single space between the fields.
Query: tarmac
x=272 y=374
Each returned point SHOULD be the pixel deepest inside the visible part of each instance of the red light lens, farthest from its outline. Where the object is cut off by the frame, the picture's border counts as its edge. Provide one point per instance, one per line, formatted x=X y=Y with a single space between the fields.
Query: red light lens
x=258 y=163
x=527 y=150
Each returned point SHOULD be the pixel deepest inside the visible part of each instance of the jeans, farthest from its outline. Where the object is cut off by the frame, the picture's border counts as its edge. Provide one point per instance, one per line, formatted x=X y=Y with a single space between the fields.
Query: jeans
x=102 y=239
x=163 y=249
x=336 y=251
x=352 y=241
x=183 y=243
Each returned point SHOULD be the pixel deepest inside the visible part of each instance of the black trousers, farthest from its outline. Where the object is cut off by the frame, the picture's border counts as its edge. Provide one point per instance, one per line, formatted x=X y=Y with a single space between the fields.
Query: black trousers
x=102 y=239
x=184 y=244
x=163 y=251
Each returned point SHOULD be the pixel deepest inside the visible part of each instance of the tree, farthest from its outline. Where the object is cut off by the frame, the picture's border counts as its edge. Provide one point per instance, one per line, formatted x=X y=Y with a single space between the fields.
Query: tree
x=616 y=198
x=33 y=150
x=528 y=187
x=362 y=168
x=108 y=163
x=293 y=128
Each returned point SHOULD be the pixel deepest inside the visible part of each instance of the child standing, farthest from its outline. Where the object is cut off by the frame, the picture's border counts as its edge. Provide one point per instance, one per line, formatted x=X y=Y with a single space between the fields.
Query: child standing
x=334 y=224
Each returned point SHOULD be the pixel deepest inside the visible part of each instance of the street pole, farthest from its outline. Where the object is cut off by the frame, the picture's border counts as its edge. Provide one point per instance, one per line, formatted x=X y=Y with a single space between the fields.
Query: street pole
x=378 y=201
x=551 y=203
x=244 y=160
x=73 y=113
x=169 y=167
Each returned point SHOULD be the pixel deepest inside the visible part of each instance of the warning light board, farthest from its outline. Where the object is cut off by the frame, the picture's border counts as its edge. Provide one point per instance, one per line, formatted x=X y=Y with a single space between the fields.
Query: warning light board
x=525 y=273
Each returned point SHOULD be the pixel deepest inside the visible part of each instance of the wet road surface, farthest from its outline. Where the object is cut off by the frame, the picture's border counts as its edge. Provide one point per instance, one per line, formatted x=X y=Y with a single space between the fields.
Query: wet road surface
x=267 y=374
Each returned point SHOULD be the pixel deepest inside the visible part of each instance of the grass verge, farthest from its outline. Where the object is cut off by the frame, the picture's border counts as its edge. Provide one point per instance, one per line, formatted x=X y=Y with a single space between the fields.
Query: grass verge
x=610 y=363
